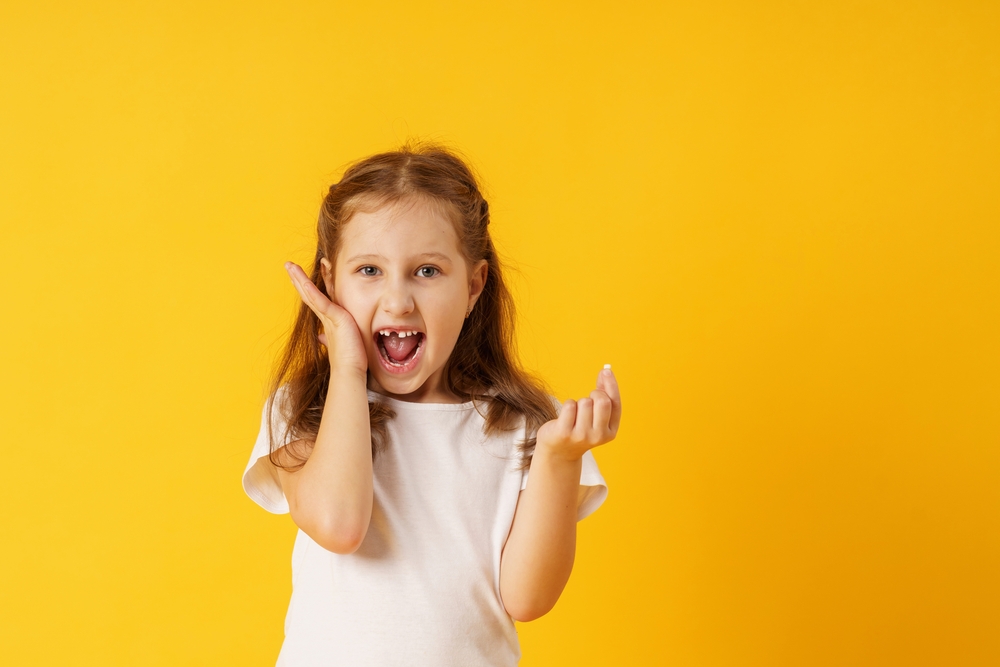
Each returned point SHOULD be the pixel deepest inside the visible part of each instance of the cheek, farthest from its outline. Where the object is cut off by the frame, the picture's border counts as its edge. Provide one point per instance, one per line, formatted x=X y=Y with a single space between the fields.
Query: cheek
x=356 y=305
x=446 y=305
x=451 y=312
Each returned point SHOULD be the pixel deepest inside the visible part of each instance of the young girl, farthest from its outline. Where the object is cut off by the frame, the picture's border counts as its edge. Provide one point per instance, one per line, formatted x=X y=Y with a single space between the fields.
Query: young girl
x=435 y=485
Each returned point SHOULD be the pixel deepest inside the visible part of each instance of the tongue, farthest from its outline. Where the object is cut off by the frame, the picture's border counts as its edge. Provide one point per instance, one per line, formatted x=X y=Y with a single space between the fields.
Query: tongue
x=398 y=348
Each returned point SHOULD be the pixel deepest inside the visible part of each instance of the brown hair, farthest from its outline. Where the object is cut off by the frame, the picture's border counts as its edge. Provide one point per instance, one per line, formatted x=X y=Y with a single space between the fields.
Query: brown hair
x=482 y=367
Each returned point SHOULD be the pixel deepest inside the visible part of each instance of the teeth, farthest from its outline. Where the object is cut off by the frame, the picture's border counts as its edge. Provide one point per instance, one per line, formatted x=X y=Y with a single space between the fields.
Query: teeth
x=400 y=334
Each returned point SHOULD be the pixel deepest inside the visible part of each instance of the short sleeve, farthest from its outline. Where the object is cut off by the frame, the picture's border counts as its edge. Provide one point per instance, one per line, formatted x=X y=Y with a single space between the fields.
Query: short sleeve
x=260 y=478
x=593 y=488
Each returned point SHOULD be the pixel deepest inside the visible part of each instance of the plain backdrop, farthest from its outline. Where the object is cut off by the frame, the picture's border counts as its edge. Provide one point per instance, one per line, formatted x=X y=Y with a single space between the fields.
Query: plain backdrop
x=777 y=220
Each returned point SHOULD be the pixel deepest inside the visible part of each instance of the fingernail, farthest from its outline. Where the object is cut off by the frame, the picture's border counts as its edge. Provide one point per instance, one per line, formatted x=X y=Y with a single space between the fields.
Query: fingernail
x=288 y=266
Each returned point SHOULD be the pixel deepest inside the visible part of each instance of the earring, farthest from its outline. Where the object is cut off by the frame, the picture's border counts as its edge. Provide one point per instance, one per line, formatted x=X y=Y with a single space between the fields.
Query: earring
x=468 y=312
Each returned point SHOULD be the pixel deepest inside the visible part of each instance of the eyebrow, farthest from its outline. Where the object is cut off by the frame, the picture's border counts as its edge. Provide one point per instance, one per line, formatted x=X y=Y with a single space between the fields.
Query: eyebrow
x=425 y=255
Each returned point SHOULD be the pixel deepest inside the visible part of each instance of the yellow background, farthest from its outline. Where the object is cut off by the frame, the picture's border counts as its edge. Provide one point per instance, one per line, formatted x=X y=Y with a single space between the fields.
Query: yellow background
x=778 y=220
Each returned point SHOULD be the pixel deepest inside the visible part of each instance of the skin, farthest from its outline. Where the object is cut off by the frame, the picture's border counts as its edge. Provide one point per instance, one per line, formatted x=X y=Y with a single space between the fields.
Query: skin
x=401 y=267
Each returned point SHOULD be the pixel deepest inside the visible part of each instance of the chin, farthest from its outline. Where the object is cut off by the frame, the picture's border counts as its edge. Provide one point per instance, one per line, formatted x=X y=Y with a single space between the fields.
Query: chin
x=397 y=386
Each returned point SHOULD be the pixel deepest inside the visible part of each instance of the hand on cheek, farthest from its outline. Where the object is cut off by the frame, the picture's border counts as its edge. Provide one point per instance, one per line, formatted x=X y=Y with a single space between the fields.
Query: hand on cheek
x=584 y=423
x=340 y=332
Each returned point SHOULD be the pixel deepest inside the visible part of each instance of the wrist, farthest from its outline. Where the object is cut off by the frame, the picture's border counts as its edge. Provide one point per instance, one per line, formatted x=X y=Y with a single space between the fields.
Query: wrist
x=348 y=373
x=557 y=456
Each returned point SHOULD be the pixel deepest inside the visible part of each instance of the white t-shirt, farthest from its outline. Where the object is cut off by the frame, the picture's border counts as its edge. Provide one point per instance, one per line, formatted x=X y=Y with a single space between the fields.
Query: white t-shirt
x=424 y=586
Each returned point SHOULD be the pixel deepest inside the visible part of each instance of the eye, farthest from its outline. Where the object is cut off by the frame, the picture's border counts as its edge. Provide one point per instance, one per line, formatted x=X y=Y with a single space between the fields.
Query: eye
x=368 y=271
x=428 y=271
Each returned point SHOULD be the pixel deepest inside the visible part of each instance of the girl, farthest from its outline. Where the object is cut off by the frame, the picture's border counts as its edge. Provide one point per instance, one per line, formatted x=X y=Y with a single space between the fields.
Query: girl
x=401 y=432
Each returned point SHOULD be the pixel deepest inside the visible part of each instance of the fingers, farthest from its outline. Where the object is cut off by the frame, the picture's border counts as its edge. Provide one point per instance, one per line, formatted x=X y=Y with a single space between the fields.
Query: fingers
x=340 y=333
x=318 y=302
x=581 y=425
x=567 y=416
x=583 y=430
x=607 y=383
x=602 y=411
x=598 y=416
x=301 y=283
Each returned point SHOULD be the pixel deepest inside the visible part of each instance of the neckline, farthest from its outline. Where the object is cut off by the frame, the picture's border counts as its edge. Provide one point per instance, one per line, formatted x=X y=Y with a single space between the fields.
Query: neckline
x=411 y=405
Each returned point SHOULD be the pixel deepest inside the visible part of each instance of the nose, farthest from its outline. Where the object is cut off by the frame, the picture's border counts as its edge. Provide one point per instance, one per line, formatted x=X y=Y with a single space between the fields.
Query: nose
x=397 y=299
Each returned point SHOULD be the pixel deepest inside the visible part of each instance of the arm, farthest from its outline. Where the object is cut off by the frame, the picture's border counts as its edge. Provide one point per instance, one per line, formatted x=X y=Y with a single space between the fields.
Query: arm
x=538 y=556
x=330 y=497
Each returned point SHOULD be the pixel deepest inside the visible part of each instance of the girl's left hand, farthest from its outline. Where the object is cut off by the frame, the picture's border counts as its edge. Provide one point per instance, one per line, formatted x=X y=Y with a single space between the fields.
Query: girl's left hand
x=585 y=423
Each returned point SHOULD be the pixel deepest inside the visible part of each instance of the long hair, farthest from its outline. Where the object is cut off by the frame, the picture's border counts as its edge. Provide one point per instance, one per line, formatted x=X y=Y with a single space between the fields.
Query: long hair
x=483 y=366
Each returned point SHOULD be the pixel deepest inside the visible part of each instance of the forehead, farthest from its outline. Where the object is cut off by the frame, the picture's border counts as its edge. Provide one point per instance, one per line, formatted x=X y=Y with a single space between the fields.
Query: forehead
x=401 y=229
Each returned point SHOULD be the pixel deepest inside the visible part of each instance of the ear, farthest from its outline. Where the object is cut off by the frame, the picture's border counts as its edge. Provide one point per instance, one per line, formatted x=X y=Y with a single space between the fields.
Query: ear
x=326 y=270
x=477 y=280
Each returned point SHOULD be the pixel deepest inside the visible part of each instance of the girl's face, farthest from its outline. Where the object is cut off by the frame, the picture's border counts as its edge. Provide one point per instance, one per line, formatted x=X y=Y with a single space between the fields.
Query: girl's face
x=402 y=276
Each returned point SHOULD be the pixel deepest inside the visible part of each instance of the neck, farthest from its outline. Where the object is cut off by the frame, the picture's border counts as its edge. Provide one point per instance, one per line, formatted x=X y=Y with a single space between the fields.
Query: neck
x=429 y=392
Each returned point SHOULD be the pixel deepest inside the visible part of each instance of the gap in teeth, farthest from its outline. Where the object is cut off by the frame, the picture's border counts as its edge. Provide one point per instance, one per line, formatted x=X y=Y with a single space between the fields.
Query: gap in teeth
x=400 y=334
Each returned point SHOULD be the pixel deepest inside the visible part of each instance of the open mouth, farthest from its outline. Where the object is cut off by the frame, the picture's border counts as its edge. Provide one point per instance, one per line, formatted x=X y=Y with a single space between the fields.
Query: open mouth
x=399 y=351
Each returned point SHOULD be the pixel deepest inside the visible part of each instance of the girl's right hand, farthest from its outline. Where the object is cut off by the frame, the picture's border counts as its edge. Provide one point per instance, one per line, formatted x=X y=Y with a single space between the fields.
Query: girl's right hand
x=340 y=332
